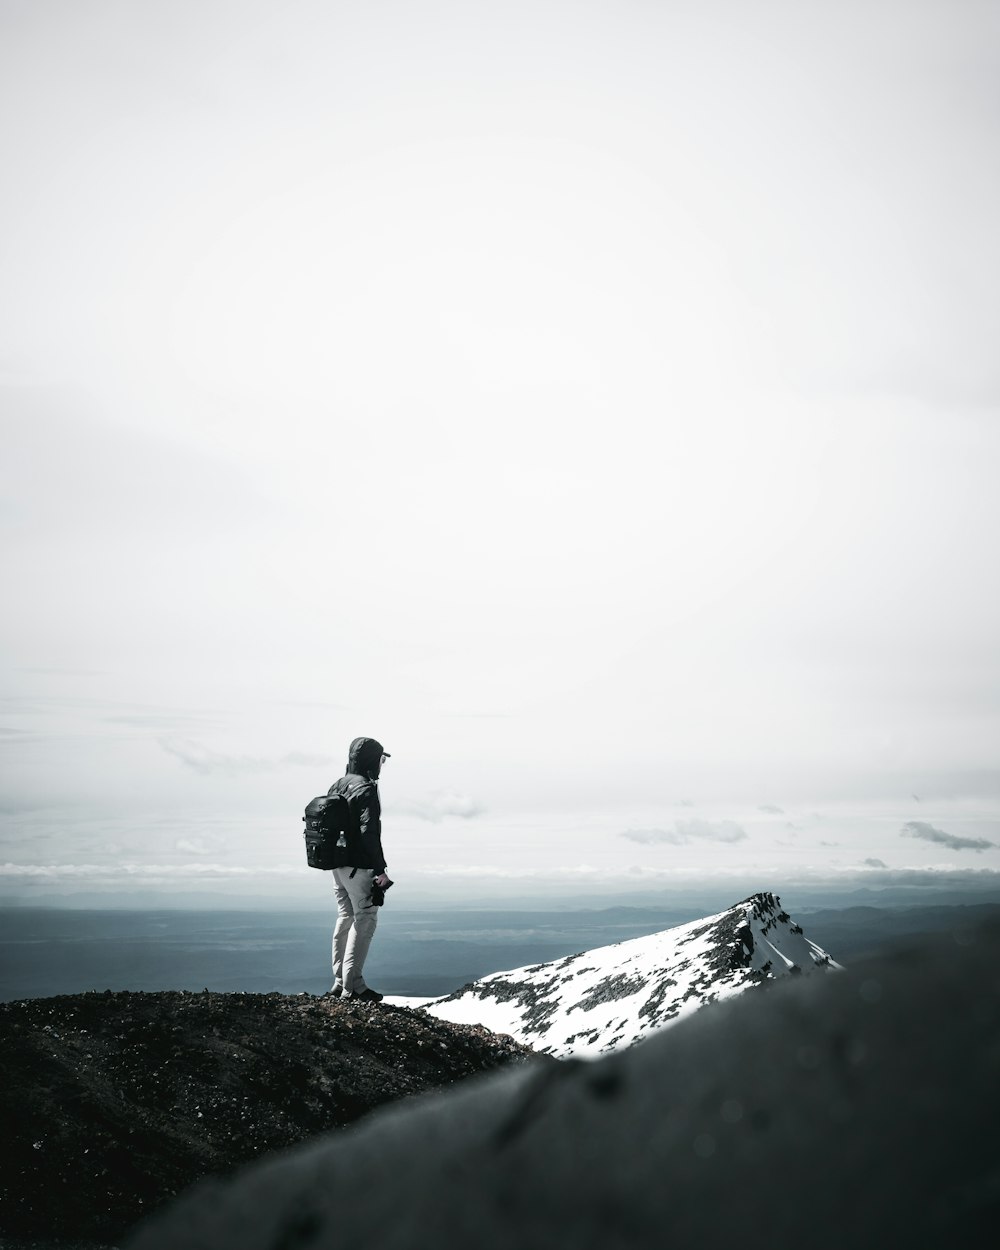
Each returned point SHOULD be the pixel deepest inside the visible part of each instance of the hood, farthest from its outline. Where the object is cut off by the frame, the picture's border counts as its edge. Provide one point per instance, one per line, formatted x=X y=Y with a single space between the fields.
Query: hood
x=365 y=757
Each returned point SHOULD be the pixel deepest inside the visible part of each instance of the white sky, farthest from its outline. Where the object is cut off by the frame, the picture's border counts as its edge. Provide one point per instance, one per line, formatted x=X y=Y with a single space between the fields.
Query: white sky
x=596 y=402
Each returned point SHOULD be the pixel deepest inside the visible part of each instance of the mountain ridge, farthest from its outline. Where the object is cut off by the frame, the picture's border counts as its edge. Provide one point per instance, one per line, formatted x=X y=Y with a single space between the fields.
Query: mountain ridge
x=632 y=988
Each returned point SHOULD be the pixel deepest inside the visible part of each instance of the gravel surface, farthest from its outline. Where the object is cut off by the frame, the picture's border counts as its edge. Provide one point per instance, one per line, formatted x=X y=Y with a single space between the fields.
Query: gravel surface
x=115 y=1102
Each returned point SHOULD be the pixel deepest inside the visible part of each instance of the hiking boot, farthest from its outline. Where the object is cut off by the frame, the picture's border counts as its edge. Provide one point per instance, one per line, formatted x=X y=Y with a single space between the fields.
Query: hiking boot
x=335 y=992
x=369 y=996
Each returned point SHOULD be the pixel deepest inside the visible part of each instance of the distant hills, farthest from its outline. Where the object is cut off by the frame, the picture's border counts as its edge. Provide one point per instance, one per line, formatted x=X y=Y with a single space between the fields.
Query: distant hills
x=856 y=932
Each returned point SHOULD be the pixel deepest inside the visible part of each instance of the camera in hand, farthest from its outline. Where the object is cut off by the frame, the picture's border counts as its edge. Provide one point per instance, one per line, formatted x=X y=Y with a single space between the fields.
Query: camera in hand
x=378 y=892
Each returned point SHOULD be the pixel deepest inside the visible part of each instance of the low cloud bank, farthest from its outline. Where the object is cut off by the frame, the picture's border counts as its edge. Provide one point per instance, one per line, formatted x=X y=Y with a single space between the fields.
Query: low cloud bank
x=151 y=871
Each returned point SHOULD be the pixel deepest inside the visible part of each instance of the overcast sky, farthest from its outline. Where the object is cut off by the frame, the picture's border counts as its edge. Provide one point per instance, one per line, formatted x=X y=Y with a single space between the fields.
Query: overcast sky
x=599 y=403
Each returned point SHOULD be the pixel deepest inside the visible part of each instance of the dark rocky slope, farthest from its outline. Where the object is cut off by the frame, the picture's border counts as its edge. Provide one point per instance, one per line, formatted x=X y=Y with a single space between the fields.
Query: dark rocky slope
x=112 y=1103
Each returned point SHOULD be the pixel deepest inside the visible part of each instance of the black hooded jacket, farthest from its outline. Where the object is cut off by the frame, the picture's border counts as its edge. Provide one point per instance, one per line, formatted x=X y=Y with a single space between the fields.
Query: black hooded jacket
x=364 y=762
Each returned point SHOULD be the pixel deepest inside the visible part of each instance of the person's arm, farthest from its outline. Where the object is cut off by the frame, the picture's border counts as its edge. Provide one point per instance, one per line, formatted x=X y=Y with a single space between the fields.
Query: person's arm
x=370 y=826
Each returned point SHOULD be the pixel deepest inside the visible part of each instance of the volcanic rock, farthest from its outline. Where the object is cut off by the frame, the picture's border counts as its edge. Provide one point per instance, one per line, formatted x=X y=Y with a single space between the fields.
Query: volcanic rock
x=114 y=1102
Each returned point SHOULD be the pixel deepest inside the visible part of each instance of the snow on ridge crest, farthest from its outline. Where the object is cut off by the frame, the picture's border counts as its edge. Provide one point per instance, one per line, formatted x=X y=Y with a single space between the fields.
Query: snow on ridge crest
x=613 y=996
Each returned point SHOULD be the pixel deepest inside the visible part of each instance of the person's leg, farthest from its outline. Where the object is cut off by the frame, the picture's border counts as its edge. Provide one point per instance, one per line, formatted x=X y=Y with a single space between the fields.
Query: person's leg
x=359 y=887
x=344 y=926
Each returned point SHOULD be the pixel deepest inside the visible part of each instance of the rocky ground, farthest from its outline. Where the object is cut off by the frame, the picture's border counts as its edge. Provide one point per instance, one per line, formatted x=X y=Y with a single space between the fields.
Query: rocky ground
x=114 y=1102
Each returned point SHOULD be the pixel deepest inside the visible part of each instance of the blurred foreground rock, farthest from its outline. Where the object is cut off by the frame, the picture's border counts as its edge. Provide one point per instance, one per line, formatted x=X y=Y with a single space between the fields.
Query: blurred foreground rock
x=851 y=1110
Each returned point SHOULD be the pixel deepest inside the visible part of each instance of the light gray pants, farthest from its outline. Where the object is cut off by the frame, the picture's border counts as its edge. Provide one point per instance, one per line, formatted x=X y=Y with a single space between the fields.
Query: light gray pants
x=356 y=921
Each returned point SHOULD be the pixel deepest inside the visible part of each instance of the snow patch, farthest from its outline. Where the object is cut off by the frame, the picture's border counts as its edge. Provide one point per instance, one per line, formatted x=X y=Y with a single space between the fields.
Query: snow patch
x=612 y=997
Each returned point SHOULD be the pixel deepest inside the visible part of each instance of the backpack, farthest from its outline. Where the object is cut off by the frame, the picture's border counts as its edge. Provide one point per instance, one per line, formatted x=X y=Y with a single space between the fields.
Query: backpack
x=327 y=832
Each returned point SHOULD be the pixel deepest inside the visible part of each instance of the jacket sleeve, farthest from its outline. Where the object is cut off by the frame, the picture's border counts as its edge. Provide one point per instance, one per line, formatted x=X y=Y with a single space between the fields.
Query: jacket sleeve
x=370 y=827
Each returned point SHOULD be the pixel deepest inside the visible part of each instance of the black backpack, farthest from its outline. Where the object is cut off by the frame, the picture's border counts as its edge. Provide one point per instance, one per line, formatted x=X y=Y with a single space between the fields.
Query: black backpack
x=328 y=832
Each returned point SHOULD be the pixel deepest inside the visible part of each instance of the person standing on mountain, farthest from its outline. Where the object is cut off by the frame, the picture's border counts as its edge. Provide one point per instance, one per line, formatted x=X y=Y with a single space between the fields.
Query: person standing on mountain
x=357 y=913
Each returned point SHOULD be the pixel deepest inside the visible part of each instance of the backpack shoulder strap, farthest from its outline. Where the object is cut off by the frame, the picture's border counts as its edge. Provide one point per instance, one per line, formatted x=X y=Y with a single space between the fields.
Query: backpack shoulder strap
x=355 y=785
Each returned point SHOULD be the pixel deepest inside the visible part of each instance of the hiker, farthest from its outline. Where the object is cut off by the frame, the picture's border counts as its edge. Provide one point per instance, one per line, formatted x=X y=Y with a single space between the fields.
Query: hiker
x=357 y=913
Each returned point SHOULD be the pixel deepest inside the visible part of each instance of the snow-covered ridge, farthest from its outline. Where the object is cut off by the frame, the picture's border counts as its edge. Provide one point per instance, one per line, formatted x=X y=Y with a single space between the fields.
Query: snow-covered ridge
x=611 y=997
